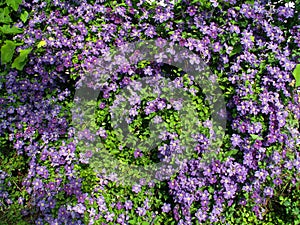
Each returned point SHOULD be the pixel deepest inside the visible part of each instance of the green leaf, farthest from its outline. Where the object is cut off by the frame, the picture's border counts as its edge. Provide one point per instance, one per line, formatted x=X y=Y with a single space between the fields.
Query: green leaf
x=4 y=15
x=14 y=4
x=210 y=189
x=114 y=152
x=287 y=203
x=20 y=61
x=256 y=137
x=231 y=152
x=42 y=44
x=24 y=16
x=6 y=29
x=7 y=51
x=237 y=49
x=296 y=74
x=133 y=221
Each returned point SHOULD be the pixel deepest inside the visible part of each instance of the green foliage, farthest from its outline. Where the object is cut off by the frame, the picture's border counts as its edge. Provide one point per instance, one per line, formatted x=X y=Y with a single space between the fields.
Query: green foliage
x=7 y=51
x=89 y=176
x=284 y=209
x=15 y=166
x=237 y=49
x=13 y=216
x=6 y=29
x=41 y=44
x=7 y=32
x=14 y=4
x=4 y=15
x=296 y=74
x=24 y=16
x=21 y=60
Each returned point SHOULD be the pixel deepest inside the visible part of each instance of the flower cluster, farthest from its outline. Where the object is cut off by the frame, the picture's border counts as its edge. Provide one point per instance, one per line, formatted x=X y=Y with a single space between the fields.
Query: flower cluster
x=251 y=48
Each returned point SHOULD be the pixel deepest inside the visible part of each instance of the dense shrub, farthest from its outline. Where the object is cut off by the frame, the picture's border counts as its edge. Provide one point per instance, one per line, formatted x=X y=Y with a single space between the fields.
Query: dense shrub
x=48 y=177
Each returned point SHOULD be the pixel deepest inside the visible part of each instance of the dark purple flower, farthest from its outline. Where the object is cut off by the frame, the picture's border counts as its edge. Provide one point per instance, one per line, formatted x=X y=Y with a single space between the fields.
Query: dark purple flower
x=37 y=184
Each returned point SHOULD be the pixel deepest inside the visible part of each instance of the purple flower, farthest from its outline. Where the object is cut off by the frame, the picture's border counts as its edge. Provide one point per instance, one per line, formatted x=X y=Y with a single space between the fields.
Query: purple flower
x=51 y=203
x=138 y=153
x=235 y=29
x=191 y=10
x=20 y=200
x=133 y=111
x=150 y=31
x=177 y=105
x=148 y=71
x=261 y=174
x=119 y=206
x=136 y=188
x=101 y=132
x=201 y=216
x=285 y=12
x=160 y=57
x=161 y=104
x=288 y=164
x=217 y=47
x=21 y=110
x=159 y=42
x=81 y=198
x=128 y=205
x=140 y=211
x=166 y=207
x=268 y=191
x=37 y=184
x=42 y=204
x=229 y=194
x=277 y=181
x=109 y=217
x=236 y=140
x=102 y=105
x=121 y=219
